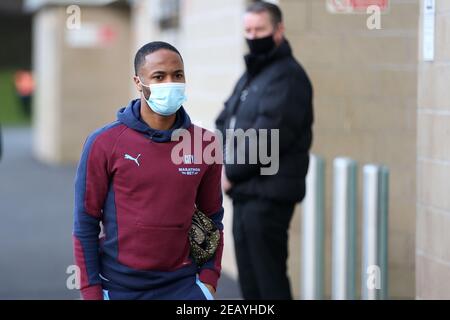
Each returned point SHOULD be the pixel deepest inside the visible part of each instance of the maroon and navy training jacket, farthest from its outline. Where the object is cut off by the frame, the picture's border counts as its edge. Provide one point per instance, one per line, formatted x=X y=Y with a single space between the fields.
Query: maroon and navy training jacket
x=127 y=182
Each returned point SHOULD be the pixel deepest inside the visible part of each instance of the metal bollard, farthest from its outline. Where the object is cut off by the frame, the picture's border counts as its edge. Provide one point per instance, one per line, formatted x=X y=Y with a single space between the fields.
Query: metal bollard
x=344 y=230
x=313 y=221
x=374 y=284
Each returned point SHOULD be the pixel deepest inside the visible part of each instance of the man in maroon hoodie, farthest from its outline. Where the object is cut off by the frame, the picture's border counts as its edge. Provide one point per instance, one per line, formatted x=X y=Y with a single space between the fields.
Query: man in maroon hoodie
x=128 y=181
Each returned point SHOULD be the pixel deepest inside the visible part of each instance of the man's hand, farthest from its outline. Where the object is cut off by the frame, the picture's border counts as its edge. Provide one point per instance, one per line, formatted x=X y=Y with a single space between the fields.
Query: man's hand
x=210 y=288
x=226 y=184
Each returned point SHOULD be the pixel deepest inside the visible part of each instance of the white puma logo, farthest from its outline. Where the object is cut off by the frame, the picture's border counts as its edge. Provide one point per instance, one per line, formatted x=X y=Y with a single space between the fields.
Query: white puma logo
x=128 y=157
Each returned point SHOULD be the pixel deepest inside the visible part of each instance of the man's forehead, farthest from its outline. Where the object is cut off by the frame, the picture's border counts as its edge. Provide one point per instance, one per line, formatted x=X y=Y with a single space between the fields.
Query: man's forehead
x=259 y=18
x=163 y=58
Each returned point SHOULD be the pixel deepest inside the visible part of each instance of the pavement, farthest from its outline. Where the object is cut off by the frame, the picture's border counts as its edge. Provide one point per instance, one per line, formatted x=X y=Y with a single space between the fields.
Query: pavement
x=36 y=205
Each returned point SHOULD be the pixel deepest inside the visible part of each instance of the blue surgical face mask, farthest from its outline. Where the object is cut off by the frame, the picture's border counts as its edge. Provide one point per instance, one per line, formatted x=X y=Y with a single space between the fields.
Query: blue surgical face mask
x=166 y=98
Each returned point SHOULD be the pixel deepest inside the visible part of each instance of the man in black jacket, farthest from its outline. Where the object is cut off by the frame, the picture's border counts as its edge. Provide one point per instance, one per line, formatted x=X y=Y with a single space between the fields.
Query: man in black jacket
x=274 y=94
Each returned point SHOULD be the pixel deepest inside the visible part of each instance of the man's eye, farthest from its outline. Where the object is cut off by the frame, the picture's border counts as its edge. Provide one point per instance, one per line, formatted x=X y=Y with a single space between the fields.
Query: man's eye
x=180 y=76
x=158 y=77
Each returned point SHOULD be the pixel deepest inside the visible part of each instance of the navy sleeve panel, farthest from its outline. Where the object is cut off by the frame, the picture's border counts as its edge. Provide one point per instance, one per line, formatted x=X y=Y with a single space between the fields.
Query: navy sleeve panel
x=91 y=187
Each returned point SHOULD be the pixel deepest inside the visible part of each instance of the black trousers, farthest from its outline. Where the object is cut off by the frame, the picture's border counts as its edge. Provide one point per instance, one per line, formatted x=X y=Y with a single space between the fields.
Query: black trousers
x=260 y=230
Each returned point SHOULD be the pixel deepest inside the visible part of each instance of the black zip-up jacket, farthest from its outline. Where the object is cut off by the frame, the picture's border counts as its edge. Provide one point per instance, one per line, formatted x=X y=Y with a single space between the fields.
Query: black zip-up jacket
x=273 y=93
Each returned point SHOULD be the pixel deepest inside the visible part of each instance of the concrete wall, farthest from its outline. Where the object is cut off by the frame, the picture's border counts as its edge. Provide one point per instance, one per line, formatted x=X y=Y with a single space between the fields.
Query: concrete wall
x=79 y=89
x=433 y=166
x=365 y=107
x=46 y=63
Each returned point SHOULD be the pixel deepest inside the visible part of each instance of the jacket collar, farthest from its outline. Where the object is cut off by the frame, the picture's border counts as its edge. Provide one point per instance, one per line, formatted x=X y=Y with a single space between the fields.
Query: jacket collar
x=255 y=63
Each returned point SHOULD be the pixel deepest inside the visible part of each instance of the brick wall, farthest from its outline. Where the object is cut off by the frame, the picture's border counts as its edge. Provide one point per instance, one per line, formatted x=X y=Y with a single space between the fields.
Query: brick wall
x=433 y=166
x=365 y=85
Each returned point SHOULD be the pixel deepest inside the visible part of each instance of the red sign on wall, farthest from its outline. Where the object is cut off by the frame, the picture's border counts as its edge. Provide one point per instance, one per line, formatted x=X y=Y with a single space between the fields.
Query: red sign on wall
x=364 y=4
x=355 y=6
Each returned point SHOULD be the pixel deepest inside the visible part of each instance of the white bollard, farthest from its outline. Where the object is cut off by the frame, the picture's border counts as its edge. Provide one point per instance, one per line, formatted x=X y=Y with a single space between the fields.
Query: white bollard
x=344 y=230
x=374 y=284
x=313 y=221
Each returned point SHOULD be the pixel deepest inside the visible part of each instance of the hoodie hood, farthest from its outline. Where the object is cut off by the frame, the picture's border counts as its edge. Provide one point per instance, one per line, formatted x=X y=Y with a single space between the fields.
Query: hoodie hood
x=131 y=117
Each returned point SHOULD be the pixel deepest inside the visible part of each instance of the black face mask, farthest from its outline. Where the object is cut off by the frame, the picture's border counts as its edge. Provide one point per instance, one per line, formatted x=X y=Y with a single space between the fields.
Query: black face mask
x=261 y=45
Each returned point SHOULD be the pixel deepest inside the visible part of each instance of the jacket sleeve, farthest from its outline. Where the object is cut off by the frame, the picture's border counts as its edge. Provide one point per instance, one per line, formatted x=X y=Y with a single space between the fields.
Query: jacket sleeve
x=286 y=106
x=220 y=121
x=91 y=186
x=209 y=201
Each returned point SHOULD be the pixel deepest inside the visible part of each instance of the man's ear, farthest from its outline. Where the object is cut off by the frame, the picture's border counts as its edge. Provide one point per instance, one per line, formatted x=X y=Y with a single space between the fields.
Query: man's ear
x=137 y=82
x=279 y=33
